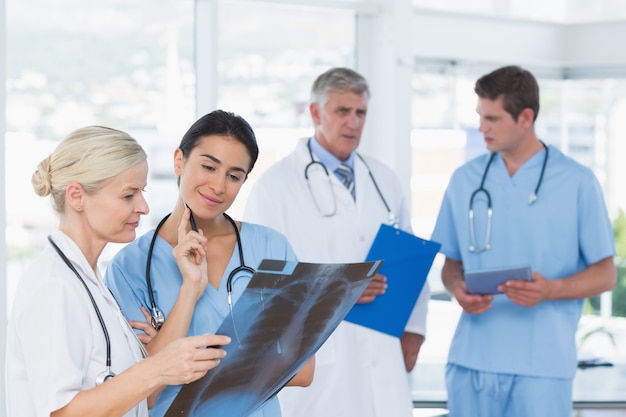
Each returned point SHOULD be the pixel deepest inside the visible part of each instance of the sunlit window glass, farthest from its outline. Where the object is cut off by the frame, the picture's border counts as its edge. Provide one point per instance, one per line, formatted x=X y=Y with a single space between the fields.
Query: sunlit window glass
x=269 y=56
x=127 y=65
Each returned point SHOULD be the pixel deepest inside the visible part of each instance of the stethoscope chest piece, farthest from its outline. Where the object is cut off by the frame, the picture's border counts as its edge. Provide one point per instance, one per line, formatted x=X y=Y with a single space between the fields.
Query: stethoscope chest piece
x=104 y=376
x=157 y=318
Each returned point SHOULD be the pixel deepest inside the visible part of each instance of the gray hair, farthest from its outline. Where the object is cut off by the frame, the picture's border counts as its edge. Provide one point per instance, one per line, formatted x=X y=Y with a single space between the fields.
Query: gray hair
x=338 y=80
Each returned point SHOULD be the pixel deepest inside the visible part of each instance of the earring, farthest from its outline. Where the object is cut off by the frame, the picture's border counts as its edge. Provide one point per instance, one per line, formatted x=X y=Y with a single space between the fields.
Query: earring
x=79 y=208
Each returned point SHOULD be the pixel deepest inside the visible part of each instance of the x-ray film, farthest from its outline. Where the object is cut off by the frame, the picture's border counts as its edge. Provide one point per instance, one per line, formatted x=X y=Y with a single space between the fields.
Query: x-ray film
x=283 y=317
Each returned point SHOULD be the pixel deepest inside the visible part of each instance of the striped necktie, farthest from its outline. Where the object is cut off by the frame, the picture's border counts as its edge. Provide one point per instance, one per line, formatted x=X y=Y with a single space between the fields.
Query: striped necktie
x=344 y=173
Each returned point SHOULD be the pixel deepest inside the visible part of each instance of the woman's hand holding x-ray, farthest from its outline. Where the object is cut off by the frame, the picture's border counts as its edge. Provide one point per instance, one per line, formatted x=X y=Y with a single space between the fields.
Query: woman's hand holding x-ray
x=187 y=359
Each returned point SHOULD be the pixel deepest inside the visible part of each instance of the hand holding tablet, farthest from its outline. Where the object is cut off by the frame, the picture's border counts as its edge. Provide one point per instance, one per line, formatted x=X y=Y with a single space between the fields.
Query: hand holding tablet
x=486 y=281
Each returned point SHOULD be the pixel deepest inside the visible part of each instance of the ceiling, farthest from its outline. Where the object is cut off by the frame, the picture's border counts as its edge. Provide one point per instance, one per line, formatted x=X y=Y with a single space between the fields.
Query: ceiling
x=555 y=11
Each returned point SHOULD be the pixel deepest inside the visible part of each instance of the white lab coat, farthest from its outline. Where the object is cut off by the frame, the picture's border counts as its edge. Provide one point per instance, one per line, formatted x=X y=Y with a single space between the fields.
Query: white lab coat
x=359 y=372
x=55 y=344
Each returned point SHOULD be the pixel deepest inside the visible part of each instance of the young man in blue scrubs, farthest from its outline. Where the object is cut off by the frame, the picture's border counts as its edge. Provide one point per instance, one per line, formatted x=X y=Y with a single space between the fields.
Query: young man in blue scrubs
x=513 y=353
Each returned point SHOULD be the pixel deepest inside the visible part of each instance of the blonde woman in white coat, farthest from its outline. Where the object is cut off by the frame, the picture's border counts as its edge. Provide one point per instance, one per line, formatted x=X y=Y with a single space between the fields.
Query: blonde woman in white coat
x=70 y=351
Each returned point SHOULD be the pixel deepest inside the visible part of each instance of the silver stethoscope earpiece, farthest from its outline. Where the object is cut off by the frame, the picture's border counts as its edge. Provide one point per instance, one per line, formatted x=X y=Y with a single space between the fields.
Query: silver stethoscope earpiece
x=392 y=219
x=473 y=247
x=106 y=374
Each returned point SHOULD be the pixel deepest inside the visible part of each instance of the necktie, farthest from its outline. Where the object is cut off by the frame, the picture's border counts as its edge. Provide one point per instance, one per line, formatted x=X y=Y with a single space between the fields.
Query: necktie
x=344 y=173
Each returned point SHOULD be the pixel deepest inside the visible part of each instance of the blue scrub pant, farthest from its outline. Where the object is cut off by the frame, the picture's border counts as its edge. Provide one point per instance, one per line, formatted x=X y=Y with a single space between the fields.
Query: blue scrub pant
x=473 y=393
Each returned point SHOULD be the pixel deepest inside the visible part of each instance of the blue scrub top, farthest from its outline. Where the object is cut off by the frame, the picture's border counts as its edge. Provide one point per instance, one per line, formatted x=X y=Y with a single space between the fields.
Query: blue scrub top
x=126 y=278
x=564 y=231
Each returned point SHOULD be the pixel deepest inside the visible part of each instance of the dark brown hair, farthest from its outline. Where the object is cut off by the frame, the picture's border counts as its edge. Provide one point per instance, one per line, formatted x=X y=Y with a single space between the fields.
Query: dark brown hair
x=517 y=87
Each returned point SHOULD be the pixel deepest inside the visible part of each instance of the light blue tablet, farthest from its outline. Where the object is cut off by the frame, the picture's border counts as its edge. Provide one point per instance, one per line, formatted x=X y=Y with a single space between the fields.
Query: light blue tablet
x=486 y=281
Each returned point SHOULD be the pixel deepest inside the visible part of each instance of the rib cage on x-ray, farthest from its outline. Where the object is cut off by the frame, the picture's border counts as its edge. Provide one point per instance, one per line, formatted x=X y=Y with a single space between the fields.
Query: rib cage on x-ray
x=285 y=314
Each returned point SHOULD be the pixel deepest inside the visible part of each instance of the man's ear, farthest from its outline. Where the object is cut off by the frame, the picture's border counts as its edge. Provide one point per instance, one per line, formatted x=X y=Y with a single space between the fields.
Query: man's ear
x=526 y=117
x=179 y=162
x=314 y=109
x=74 y=195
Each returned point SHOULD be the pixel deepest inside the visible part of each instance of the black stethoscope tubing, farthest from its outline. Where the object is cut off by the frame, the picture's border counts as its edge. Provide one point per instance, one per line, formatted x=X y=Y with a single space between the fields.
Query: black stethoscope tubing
x=107 y=373
x=242 y=265
x=481 y=188
x=158 y=318
x=313 y=162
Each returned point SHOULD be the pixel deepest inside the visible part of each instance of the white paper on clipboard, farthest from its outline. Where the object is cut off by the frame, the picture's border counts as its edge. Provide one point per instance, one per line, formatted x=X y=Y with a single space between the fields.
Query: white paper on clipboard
x=486 y=281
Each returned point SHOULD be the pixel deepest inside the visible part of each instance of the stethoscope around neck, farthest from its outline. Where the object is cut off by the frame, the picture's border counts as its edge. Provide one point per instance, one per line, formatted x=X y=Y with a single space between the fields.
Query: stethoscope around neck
x=107 y=373
x=473 y=247
x=393 y=220
x=157 y=317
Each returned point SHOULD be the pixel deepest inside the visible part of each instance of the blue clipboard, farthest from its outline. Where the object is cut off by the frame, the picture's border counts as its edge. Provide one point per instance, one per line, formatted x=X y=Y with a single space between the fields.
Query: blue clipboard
x=407 y=259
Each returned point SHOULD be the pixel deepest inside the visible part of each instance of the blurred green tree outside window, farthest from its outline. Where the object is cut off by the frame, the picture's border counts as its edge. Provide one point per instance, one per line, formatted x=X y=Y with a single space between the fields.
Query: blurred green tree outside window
x=619 y=291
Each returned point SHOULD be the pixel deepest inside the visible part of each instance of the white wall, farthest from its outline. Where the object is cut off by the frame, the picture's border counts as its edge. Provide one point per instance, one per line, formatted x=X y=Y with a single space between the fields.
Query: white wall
x=3 y=252
x=384 y=58
x=561 y=50
x=205 y=35
x=485 y=39
x=594 y=45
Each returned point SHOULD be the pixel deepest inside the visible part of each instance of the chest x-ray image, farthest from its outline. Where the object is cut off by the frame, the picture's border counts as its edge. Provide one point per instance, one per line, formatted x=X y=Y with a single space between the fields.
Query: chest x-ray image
x=283 y=317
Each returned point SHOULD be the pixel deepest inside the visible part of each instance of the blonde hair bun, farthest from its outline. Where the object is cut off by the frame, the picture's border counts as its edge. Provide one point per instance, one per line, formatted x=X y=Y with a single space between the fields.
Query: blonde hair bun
x=41 y=178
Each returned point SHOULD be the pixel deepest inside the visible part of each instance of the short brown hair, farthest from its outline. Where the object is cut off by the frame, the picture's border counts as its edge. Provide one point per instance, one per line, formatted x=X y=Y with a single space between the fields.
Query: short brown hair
x=517 y=87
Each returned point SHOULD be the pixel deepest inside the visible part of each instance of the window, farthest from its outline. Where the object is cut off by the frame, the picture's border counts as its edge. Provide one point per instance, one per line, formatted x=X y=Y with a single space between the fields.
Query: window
x=69 y=64
x=130 y=66
x=269 y=56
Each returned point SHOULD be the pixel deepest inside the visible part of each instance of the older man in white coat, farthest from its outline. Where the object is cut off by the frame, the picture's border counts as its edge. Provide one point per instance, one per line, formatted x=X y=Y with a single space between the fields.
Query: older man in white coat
x=330 y=219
